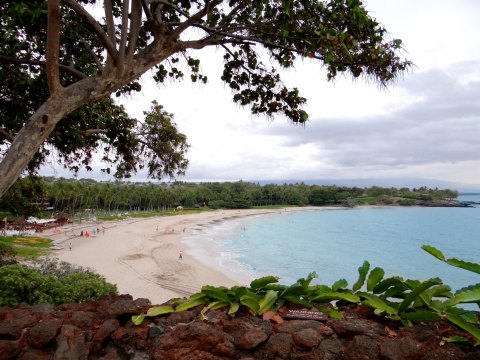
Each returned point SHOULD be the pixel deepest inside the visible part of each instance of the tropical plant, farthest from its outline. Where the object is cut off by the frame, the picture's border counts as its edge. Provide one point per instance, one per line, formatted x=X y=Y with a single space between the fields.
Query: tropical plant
x=393 y=297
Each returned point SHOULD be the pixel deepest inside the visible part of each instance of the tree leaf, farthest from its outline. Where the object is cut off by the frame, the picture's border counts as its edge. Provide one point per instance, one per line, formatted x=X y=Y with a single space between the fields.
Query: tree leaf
x=376 y=275
x=362 y=275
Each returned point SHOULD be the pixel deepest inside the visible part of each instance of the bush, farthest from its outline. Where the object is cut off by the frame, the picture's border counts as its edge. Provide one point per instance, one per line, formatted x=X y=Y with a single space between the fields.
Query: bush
x=57 y=268
x=20 y=283
x=83 y=286
x=7 y=254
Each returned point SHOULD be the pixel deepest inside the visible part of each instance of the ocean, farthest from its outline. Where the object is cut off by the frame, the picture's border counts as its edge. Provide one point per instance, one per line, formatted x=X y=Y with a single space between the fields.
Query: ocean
x=334 y=243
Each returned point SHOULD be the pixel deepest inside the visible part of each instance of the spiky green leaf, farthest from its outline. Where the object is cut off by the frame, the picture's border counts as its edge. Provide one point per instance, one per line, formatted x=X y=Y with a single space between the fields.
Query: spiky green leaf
x=362 y=275
x=263 y=281
x=190 y=303
x=460 y=322
x=234 y=306
x=339 y=284
x=416 y=292
x=434 y=251
x=138 y=319
x=376 y=275
x=421 y=315
x=267 y=301
x=473 y=267
x=218 y=293
x=467 y=295
x=159 y=310
x=377 y=303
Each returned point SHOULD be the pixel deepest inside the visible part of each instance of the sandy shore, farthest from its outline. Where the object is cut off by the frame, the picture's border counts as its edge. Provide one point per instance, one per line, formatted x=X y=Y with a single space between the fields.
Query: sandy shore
x=141 y=257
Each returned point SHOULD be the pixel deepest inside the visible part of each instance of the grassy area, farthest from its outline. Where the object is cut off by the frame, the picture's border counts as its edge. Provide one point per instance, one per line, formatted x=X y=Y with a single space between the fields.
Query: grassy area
x=26 y=246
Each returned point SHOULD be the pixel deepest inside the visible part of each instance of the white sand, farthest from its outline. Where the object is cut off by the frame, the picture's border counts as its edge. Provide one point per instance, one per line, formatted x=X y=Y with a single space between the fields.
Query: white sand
x=143 y=261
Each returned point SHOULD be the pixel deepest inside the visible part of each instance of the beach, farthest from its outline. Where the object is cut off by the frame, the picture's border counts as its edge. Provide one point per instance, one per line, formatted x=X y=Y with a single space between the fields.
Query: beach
x=141 y=255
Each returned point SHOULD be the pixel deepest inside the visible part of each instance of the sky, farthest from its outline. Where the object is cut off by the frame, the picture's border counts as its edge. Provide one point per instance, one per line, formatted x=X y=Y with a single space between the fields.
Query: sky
x=425 y=126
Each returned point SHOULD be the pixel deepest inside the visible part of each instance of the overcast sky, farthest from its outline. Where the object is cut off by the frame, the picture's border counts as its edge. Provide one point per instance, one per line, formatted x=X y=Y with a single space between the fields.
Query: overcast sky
x=425 y=126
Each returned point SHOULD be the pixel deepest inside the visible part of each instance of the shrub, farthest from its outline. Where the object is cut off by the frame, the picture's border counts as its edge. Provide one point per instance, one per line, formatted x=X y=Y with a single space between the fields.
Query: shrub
x=83 y=286
x=20 y=283
x=57 y=268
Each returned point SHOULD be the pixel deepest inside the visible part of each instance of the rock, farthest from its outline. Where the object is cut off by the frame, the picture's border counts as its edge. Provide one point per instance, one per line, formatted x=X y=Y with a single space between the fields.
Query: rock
x=293 y=326
x=9 y=349
x=278 y=345
x=102 y=333
x=307 y=338
x=71 y=344
x=352 y=327
x=362 y=347
x=43 y=333
x=14 y=321
x=103 y=330
x=248 y=332
x=205 y=340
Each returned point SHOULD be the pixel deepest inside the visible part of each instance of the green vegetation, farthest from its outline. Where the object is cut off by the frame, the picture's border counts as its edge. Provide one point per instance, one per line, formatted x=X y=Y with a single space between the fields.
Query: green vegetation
x=113 y=200
x=52 y=282
x=394 y=298
x=26 y=246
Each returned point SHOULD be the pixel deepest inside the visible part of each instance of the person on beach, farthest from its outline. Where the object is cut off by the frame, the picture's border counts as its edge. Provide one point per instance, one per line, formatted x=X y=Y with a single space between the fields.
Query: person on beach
x=180 y=254
x=70 y=246
x=81 y=233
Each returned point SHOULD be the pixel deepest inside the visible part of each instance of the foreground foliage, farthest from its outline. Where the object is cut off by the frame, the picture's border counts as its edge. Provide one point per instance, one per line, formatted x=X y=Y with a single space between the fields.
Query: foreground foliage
x=55 y=284
x=393 y=297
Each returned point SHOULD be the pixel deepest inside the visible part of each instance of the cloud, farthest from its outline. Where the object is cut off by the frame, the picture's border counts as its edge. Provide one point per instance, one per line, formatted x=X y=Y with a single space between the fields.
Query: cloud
x=441 y=126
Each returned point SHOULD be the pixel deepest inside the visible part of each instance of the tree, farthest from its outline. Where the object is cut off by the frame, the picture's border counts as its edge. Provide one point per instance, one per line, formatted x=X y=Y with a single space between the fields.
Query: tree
x=59 y=64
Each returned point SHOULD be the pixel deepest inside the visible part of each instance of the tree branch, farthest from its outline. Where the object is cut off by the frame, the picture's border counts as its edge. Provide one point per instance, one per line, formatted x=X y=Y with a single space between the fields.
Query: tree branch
x=53 y=47
x=135 y=24
x=69 y=69
x=123 y=36
x=95 y=57
x=95 y=131
x=193 y=19
x=7 y=135
x=111 y=59
x=95 y=26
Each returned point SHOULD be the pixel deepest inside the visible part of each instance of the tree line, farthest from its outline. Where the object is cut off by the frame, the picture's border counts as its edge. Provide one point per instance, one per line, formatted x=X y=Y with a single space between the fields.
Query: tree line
x=30 y=195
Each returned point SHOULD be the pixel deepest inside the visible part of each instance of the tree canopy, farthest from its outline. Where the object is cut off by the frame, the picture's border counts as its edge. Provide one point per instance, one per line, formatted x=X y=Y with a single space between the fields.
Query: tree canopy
x=60 y=63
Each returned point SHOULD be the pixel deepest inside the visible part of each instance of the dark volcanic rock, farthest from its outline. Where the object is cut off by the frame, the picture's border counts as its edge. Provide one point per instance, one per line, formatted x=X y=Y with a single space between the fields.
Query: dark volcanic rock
x=103 y=330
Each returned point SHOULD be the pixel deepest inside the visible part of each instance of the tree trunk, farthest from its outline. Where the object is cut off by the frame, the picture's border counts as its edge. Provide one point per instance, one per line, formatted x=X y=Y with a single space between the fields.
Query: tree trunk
x=64 y=101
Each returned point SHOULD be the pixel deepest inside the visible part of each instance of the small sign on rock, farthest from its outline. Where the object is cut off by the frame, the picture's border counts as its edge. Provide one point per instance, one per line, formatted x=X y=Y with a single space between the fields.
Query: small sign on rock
x=305 y=314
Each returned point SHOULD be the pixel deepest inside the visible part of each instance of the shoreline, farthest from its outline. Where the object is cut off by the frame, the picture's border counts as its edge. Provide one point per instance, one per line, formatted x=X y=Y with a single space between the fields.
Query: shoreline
x=140 y=255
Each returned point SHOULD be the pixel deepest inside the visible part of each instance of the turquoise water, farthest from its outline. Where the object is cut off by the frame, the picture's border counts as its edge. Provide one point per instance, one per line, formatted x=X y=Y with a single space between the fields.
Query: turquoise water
x=334 y=243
